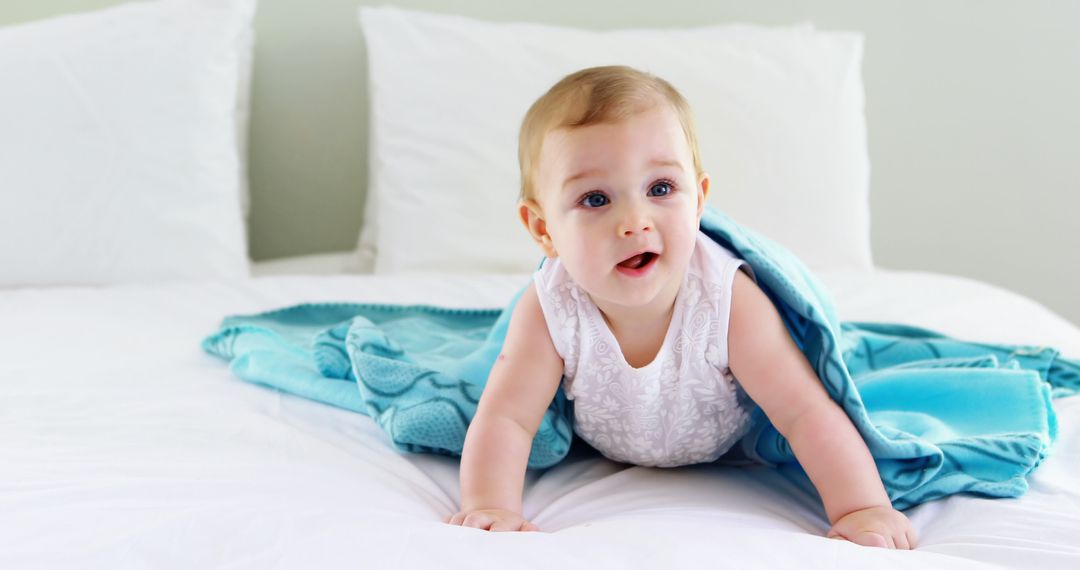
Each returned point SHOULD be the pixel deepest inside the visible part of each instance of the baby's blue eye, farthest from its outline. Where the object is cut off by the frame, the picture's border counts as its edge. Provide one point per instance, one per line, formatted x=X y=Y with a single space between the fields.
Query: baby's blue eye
x=664 y=189
x=594 y=200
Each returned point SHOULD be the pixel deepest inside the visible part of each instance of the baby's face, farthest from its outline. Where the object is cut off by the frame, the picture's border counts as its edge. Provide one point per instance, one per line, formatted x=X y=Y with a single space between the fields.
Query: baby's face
x=610 y=192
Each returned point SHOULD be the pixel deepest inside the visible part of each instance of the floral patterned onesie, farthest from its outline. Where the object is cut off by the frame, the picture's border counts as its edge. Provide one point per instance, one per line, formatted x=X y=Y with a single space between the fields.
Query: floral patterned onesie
x=685 y=406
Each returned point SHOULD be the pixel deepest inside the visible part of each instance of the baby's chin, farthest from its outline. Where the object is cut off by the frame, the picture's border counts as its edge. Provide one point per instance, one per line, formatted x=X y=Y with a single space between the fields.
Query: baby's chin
x=618 y=293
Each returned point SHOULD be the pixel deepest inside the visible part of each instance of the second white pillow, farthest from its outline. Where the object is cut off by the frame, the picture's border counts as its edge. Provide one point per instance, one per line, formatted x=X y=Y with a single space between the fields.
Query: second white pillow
x=779 y=116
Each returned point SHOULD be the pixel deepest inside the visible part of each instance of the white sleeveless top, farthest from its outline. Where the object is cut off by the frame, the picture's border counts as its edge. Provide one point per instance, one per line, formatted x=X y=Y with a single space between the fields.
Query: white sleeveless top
x=685 y=406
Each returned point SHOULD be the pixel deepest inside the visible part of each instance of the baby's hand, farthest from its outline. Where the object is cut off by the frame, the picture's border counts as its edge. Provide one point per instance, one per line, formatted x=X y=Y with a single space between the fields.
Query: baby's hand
x=491 y=519
x=884 y=527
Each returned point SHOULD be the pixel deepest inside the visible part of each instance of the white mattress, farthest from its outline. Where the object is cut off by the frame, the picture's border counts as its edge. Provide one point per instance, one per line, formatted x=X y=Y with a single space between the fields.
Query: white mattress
x=123 y=445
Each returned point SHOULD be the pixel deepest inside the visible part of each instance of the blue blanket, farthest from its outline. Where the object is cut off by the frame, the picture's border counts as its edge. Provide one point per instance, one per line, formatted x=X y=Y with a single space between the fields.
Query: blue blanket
x=939 y=415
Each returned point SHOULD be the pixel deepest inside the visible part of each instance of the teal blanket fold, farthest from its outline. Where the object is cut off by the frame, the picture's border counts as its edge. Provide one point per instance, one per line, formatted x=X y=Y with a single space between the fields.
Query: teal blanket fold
x=940 y=415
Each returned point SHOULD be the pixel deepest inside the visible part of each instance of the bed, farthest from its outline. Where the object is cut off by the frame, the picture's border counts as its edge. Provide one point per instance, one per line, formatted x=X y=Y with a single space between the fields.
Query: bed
x=124 y=445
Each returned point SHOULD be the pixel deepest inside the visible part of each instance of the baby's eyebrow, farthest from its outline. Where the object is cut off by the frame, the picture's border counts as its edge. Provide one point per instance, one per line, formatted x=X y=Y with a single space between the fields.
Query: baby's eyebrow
x=593 y=172
x=666 y=162
x=579 y=176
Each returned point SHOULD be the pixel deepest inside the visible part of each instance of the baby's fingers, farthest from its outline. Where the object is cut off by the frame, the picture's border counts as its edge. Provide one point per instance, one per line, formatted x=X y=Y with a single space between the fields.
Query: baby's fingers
x=455 y=519
x=901 y=541
x=506 y=525
x=478 y=520
x=494 y=521
x=869 y=538
x=864 y=538
x=475 y=520
x=513 y=524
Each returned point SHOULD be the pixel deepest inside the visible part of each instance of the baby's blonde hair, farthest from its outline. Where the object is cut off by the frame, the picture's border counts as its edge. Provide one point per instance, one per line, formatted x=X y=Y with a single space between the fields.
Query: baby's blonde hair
x=592 y=96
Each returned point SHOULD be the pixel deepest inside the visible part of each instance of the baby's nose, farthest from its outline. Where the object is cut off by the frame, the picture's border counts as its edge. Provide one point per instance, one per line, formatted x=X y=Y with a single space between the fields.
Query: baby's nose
x=634 y=218
x=635 y=225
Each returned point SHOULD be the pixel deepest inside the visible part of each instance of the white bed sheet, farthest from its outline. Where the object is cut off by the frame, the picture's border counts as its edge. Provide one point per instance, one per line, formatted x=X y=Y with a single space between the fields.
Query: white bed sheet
x=123 y=445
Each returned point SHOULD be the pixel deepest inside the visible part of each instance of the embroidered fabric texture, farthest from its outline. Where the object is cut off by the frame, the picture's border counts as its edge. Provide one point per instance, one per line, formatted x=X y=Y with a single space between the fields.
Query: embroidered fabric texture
x=685 y=406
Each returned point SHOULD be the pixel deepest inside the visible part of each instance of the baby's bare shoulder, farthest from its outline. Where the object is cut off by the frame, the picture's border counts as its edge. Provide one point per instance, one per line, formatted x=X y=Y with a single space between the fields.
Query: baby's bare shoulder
x=528 y=342
x=747 y=297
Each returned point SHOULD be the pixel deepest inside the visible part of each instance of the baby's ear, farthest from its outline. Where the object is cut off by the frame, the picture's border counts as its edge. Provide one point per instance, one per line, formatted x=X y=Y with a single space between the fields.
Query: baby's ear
x=703 y=193
x=533 y=217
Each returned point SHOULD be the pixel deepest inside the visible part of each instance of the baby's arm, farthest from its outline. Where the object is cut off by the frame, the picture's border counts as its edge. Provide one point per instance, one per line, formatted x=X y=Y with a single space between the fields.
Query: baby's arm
x=777 y=376
x=520 y=387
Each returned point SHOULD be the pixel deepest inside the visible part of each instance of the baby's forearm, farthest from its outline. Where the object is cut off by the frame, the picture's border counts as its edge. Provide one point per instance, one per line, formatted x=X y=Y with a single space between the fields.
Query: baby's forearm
x=493 y=464
x=835 y=457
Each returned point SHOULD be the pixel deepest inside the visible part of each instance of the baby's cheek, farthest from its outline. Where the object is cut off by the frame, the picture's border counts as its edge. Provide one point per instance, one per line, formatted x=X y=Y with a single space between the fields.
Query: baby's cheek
x=585 y=246
x=579 y=256
x=688 y=240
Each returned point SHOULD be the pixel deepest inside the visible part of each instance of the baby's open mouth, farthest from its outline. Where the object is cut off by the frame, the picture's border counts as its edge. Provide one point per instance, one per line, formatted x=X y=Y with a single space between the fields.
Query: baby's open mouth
x=638 y=261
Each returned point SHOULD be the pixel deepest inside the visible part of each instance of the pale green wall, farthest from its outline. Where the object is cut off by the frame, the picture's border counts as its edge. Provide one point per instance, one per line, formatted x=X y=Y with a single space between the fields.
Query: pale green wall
x=972 y=107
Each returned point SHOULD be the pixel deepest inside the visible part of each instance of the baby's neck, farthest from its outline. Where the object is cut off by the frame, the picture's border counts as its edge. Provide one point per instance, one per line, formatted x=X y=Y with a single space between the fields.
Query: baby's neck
x=640 y=330
x=628 y=321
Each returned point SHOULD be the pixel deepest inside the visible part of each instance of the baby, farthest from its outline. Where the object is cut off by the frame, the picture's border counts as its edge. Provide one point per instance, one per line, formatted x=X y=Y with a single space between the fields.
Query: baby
x=664 y=344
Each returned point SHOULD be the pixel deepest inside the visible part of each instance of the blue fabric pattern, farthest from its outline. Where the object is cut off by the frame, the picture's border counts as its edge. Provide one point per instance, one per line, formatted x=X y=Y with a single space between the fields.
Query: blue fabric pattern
x=940 y=415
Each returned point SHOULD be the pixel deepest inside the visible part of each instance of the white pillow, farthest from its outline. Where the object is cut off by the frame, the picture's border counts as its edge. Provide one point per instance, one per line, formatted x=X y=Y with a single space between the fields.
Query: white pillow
x=119 y=154
x=779 y=115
